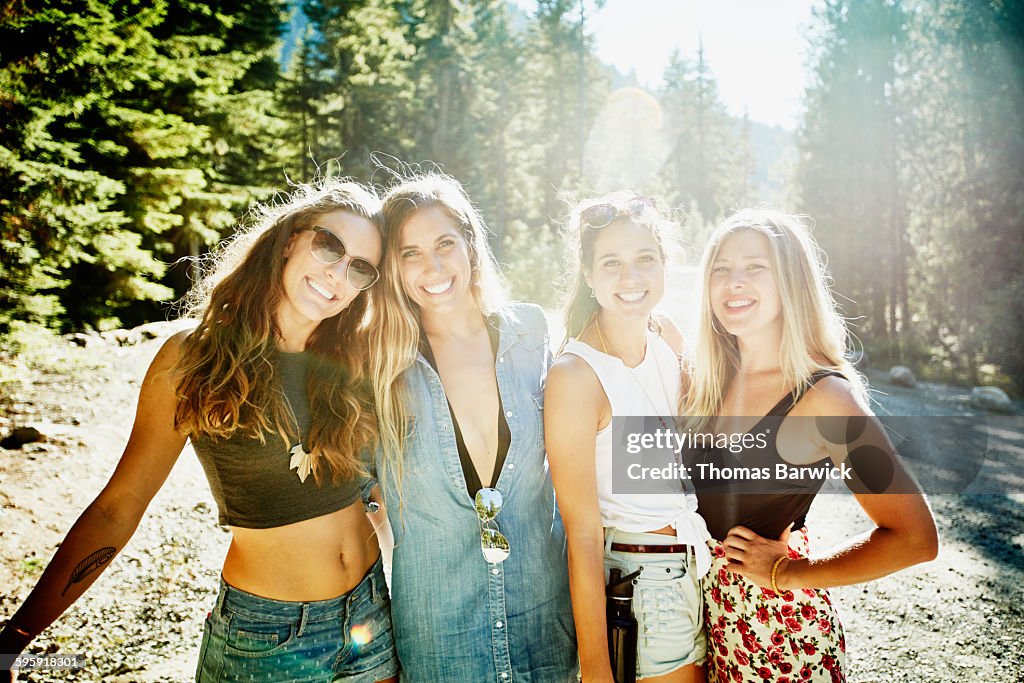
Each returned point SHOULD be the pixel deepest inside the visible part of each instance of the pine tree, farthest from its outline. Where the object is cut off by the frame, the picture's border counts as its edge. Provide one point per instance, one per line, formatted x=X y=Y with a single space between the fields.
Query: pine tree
x=351 y=88
x=705 y=171
x=64 y=66
x=848 y=175
x=135 y=135
x=964 y=145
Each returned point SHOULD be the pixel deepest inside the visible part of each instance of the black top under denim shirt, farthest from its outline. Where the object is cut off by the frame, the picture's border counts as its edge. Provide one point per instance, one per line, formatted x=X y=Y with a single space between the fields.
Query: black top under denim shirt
x=472 y=477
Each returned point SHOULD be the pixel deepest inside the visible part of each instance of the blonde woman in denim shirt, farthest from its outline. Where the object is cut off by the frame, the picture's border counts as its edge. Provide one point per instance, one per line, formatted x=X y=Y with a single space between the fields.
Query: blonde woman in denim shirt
x=479 y=579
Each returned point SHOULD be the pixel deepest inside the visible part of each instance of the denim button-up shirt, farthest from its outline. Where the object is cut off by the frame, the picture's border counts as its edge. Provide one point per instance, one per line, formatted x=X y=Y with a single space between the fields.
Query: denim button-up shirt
x=457 y=617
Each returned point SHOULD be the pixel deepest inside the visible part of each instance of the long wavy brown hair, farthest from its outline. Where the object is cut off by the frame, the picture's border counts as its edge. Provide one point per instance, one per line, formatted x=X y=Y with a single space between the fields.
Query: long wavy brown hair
x=226 y=376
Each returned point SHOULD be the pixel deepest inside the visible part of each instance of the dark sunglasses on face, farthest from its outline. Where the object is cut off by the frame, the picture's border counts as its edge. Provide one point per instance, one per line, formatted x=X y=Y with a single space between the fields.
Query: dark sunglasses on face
x=602 y=215
x=327 y=248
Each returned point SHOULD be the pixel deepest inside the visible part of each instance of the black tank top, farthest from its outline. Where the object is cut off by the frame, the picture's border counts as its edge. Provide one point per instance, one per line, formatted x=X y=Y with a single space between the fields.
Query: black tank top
x=727 y=503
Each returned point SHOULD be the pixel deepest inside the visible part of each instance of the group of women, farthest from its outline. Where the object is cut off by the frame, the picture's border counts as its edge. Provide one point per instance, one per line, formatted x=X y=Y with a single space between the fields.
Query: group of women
x=344 y=342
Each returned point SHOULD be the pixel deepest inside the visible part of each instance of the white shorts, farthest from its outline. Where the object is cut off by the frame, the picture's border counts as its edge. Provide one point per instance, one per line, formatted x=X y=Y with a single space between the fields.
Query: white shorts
x=668 y=603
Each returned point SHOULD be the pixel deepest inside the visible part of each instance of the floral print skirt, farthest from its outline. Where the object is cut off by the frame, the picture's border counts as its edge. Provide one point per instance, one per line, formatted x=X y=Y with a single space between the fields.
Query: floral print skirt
x=756 y=634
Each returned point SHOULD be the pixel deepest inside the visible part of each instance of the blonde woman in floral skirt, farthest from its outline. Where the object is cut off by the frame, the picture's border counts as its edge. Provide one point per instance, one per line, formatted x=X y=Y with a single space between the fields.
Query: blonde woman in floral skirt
x=770 y=345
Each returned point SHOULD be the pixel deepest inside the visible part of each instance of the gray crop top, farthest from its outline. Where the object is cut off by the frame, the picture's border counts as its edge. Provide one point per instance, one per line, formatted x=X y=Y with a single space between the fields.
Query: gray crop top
x=252 y=483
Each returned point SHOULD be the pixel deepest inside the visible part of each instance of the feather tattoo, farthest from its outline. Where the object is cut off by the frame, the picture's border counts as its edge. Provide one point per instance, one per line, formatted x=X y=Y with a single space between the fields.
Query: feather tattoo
x=89 y=565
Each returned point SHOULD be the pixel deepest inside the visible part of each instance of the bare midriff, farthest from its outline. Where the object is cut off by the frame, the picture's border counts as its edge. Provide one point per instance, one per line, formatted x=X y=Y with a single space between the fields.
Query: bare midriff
x=666 y=530
x=316 y=559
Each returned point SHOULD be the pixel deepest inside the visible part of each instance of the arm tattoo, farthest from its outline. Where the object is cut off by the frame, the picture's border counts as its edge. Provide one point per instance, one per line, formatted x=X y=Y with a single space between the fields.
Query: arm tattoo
x=89 y=565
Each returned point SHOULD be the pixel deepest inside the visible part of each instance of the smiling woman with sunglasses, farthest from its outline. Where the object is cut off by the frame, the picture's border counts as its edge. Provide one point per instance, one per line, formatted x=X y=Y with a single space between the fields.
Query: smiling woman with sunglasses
x=328 y=248
x=620 y=360
x=270 y=388
x=479 y=570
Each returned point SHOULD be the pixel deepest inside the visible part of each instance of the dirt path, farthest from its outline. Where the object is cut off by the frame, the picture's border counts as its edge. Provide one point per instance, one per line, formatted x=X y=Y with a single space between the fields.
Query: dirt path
x=958 y=618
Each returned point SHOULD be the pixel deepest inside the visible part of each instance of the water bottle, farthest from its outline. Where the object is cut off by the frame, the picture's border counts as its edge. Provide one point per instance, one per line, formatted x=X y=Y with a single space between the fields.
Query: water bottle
x=622 y=627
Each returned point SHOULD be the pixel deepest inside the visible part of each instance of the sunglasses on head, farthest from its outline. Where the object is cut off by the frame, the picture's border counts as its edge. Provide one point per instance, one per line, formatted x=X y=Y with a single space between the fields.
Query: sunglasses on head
x=492 y=542
x=327 y=248
x=602 y=215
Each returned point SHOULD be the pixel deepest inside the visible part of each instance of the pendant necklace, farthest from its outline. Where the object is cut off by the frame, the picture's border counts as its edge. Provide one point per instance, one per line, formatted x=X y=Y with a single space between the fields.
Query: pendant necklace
x=301 y=461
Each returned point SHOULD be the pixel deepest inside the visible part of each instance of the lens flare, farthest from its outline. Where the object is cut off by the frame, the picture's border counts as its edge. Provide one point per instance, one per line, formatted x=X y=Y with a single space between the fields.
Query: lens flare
x=628 y=143
x=361 y=634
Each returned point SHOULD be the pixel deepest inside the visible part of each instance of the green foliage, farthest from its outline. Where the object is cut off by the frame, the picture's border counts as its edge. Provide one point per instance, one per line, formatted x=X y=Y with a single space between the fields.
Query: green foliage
x=850 y=142
x=910 y=163
x=59 y=209
x=709 y=166
x=122 y=147
x=533 y=263
x=348 y=90
x=32 y=566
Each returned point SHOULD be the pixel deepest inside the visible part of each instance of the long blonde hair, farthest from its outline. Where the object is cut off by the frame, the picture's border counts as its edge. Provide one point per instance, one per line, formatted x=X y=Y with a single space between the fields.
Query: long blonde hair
x=814 y=335
x=395 y=332
x=226 y=378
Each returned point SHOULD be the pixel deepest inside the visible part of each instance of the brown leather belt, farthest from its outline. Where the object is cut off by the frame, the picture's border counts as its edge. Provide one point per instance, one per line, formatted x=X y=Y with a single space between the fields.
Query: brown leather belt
x=630 y=548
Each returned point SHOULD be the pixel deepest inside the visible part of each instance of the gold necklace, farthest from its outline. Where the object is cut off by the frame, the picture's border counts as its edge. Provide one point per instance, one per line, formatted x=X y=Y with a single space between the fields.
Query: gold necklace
x=597 y=323
x=632 y=372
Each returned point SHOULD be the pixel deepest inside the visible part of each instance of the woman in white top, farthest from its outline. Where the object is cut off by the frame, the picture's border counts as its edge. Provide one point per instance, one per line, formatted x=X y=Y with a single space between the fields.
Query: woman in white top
x=619 y=360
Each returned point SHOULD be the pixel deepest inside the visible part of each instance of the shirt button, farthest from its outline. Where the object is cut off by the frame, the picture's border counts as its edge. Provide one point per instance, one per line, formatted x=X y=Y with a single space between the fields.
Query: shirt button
x=508 y=413
x=504 y=675
x=511 y=465
x=495 y=571
x=497 y=624
x=502 y=359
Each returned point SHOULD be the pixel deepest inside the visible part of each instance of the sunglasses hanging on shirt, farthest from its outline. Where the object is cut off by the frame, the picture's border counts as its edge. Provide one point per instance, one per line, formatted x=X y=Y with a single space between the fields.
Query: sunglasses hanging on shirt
x=492 y=542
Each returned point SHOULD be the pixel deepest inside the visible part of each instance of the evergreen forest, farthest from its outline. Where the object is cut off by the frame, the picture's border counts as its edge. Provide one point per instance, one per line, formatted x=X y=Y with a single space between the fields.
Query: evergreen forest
x=136 y=134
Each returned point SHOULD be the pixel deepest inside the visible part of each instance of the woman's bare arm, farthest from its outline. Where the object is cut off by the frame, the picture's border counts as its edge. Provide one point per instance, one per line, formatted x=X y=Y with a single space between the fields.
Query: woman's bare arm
x=573 y=406
x=108 y=523
x=904 y=533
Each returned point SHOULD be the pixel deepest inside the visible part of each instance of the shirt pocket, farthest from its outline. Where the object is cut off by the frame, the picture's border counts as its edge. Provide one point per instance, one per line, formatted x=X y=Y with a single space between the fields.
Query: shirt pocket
x=538 y=400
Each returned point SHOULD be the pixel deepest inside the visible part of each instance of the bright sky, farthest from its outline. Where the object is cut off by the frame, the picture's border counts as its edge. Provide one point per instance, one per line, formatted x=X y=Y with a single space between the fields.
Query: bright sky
x=755 y=48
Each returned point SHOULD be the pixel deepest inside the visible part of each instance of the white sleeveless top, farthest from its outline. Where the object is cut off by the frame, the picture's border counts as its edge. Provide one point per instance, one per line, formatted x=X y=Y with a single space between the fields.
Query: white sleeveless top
x=651 y=388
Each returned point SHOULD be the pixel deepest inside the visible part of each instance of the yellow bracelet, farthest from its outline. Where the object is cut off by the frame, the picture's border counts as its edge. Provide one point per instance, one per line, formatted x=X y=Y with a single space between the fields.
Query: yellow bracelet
x=775 y=568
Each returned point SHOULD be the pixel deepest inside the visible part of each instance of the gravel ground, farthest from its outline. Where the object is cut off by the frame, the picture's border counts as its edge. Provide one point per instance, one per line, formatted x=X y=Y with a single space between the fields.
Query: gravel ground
x=960 y=617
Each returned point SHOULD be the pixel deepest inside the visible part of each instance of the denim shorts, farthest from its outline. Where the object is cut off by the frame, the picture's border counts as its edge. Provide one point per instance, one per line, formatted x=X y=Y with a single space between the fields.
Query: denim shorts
x=249 y=638
x=667 y=603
